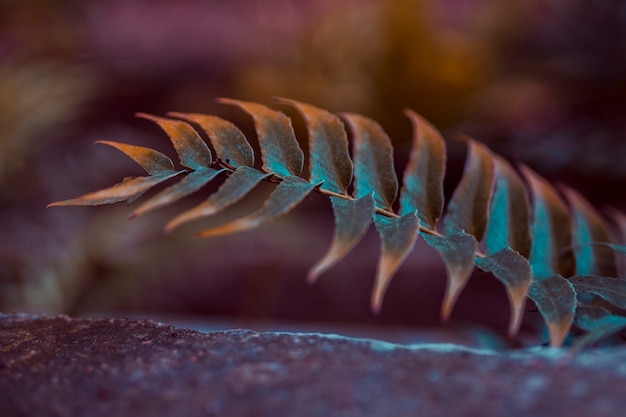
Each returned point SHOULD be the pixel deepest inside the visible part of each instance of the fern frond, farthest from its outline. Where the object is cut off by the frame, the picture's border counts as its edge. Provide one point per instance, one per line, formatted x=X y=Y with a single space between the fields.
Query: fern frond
x=534 y=248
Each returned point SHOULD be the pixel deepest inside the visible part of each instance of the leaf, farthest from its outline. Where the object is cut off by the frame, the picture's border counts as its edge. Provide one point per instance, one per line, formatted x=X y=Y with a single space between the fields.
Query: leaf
x=352 y=219
x=555 y=298
x=422 y=188
x=590 y=228
x=457 y=251
x=513 y=270
x=509 y=223
x=603 y=328
x=181 y=189
x=287 y=195
x=229 y=142
x=153 y=162
x=280 y=151
x=328 y=147
x=398 y=236
x=373 y=161
x=551 y=230
x=191 y=149
x=468 y=209
x=159 y=166
x=587 y=317
x=237 y=185
x=610 y=289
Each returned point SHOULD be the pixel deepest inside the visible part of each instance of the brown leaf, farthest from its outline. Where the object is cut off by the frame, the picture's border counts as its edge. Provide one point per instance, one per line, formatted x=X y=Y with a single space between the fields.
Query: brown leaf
x=513 y=270
x=236 y=186
x=181 y=189
x=555 y=298
x=352 y=219
x=457 y=251
x=191 y=149
x=152 y=161
x=229 y=142
x=468 y=209
x=328 y=147
x=398 y=236
x=287 y=195
x=509 y=217
x=422 y=188
x=280 y=151
x=589 y=227
x=373 y=161
x=551 y=230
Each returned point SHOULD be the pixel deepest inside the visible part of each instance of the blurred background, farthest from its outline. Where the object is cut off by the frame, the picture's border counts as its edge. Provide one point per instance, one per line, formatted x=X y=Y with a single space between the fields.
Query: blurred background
x=540 y=81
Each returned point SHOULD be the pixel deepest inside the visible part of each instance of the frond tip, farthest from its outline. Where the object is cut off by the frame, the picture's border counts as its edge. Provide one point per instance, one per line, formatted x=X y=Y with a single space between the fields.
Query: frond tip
x=535 y=241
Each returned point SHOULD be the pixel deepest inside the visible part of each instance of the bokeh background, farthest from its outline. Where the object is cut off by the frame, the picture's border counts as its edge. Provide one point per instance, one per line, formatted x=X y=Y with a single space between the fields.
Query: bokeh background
x=542 y=82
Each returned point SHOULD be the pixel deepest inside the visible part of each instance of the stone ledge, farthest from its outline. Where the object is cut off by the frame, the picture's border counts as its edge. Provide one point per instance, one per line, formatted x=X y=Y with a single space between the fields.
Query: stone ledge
x=59 y=366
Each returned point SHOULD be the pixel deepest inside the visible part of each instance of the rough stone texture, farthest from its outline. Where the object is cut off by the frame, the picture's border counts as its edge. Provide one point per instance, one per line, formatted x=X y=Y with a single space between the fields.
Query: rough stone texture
x=58 y=366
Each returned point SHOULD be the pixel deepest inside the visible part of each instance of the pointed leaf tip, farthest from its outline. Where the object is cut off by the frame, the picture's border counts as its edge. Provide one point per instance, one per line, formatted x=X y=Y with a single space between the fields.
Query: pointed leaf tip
x=398 y=236
x=352 y=219
x=555 y=298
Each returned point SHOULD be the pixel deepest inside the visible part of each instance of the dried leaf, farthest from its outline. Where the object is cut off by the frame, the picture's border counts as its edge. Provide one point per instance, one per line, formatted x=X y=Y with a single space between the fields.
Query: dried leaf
x=189 y=184
x=280 y=151
x=398 y=236
x=509 y=225
x=373 y=161
x=352 y=219
x=237 y=185
x=328 y=147
x=159 y=166
x=610 y=289
x=468 y=209
x=422 y=188
x=457 y=251
x=555 y=298
x=152 y=161
x=192 y=151
x=589 y=227
x=229 y=142
x=513 y=270
x=551 y=230
x=287 y=195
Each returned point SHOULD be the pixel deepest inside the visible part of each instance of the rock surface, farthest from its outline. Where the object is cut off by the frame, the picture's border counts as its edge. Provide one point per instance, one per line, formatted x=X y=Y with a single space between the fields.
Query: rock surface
x=58 y=366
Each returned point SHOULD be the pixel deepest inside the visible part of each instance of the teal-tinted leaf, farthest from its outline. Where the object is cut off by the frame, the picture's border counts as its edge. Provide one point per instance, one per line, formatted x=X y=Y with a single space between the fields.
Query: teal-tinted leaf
x=126 y=190
x=287 y=195
x=589 y=227
x=152 y=161
x=191 y=149
x=328 y=147
x=555 y=298
x=422 y=188
x=587 y=317
x=229 y=142
x=398 y=236
x=551 y=230
x=513 y=270
x=352 y=219
x=280 y=151
x=457 y=251
x=602 y=328
x=181 y=189
x=611 y=289
x=509 y=223
x=373 y=161
x=468 y=209
x=237 y=185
